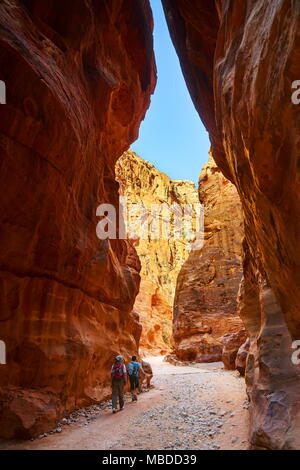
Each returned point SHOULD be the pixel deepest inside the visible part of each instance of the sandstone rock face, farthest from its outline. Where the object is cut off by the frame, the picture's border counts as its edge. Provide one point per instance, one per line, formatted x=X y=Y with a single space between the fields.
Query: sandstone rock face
x=240 y=59
x=205 y=306
x=155 y=316
x=242 y=356
x=161 y=259
x=273 y=381
x=231 y=345
x=79 y=77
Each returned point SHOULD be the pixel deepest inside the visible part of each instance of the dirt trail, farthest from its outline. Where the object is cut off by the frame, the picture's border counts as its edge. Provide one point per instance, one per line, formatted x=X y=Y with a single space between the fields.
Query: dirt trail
x=192 y=407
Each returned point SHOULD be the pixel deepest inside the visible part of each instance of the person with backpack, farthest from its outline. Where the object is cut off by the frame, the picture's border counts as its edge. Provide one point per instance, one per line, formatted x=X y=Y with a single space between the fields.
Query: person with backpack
x=133 y=370
x=118 y=381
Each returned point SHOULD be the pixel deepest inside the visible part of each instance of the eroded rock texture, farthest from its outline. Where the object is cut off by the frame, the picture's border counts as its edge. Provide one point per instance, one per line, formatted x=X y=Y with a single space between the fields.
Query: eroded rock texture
x=205 y=306
x=161 y=258
x=79 y=77
x=240 y=59
x=155 y=315
x=242 y=357
x=232 y=342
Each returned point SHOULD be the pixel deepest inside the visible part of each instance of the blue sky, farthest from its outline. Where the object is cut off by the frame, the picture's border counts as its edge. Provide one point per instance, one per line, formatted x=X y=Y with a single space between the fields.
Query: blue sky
x=172 y=136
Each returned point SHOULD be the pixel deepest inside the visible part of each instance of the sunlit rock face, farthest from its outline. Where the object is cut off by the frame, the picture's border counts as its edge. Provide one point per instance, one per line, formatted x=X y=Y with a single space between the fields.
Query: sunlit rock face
x=162 y=257
x=240 y=59
x=155 y=315
x=79 y=76
x=205 y=306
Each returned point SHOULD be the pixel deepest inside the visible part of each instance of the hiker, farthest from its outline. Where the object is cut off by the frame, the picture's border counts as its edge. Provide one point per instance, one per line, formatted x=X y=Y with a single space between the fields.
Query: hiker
x=118 y=380
x=133 y=370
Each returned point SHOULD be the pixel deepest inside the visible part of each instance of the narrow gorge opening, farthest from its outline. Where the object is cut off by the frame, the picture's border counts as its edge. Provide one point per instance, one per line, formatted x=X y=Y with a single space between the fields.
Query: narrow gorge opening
x=158 y=171
x=198 y=287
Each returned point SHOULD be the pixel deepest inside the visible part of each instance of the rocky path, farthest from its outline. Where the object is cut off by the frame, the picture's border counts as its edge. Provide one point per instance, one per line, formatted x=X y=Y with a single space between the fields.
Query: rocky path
x=192 y=407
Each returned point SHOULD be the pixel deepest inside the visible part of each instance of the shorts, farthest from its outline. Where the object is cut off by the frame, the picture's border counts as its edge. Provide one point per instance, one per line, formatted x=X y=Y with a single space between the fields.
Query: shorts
x=134 y=382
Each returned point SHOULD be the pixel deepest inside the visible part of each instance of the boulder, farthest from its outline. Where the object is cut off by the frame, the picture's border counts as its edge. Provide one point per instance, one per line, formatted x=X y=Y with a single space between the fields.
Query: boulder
x=231 y=345
x=241 y=357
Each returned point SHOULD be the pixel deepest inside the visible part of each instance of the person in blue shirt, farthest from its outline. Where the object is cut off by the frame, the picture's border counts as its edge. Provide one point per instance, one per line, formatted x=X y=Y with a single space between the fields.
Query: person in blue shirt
x=133 y=371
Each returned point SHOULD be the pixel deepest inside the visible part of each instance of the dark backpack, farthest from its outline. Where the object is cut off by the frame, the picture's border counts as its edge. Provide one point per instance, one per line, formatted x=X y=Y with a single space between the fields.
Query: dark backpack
x=117 y=371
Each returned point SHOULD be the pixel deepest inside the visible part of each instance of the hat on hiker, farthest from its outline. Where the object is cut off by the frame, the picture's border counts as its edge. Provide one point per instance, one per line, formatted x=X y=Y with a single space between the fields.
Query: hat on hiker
x=119 y=358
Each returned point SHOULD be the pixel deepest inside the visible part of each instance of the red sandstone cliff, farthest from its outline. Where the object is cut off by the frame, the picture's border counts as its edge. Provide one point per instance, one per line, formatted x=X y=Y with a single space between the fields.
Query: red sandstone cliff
x=161 y=259
x=79 y=76
x=240 y=59
x=205 y=307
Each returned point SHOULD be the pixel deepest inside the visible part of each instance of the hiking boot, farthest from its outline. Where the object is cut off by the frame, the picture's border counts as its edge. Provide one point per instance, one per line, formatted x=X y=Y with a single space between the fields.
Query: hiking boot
x=121 y=408
x=114 y=410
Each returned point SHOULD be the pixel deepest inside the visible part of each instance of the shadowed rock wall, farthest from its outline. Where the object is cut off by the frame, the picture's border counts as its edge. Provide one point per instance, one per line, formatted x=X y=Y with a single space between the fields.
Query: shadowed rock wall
x=79 y=76
x=240 y=58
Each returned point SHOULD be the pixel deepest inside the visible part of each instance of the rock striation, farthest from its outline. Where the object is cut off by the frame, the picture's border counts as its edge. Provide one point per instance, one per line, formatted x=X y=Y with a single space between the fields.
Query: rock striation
x=205 y=306
x=161 y=258
x=79 y=77
x=240 y=60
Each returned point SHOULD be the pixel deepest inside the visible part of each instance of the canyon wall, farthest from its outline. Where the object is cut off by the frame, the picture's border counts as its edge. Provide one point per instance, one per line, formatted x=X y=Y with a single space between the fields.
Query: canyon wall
x=161 y=258
x=79 y=76
x=205 y=307
x=240 y=59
